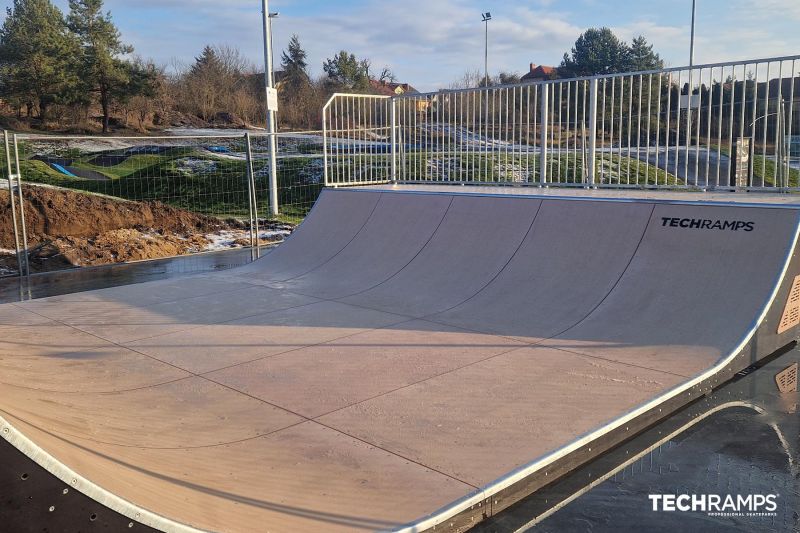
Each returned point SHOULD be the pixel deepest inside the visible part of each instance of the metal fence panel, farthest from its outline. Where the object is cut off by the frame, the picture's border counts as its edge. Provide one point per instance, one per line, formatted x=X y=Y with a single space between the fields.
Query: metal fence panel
x=718 y=126
x=359 y=146
x=186 y=194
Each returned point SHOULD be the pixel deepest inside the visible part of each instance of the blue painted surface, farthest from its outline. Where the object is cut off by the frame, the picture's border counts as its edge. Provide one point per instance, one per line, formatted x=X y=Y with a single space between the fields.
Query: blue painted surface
x=63 y=170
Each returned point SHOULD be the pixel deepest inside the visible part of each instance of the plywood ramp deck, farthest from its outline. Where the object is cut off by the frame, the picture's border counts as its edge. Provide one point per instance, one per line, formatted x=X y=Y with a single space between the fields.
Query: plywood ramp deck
x=399 y=353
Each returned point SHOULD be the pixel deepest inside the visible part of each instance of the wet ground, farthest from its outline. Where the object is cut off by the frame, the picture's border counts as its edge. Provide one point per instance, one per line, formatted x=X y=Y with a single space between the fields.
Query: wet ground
x=743 y=439
x=14 y=289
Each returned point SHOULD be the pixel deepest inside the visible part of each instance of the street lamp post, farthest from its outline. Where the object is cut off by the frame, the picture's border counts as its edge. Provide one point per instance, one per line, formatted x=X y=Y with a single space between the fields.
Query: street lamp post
x=271 y=115
x=691 y=42
x=486 y=17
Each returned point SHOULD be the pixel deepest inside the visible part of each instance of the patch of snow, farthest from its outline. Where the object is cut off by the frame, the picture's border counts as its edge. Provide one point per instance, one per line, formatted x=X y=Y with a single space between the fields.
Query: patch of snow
x=205 y=132
x=7 y=251
x=191 y=165
x=226 y=239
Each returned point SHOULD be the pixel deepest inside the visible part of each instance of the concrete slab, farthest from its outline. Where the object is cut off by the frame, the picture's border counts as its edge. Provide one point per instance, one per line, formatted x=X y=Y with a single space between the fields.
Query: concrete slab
x=46 y=340
x=11 y=315
x=212 y=347
x=109 y=368
x=531 y=402
x=130 y=323
x=164 y=420
x=394 y=357
x=305 y=478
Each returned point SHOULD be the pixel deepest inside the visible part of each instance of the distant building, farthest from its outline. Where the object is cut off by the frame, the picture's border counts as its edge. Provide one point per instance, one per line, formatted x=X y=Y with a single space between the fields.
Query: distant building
x=540 y=73
x=390 y=88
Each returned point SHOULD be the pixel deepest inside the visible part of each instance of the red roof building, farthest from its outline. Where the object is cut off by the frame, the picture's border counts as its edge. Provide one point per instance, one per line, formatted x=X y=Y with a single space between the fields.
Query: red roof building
x=540 y=73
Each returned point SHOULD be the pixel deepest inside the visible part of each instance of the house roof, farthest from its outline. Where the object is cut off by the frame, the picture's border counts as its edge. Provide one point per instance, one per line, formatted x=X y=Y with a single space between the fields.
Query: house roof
x=389 y=88
x=540 y=72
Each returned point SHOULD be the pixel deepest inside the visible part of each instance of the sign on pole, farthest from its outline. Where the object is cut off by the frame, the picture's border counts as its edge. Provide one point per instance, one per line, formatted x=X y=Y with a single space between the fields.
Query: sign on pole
x=272 y=99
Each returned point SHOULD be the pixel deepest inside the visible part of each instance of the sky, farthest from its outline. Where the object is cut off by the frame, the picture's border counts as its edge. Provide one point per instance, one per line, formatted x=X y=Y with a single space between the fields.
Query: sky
x=432 y=43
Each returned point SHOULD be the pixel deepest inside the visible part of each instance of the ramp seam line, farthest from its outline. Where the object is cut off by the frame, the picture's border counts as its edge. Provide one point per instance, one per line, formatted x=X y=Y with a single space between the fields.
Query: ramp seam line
x=613 y=287
x=424 y=246
x=502 y=269
x=305 y=418
x=147 y=306
x=162 y=521
x=363 y=225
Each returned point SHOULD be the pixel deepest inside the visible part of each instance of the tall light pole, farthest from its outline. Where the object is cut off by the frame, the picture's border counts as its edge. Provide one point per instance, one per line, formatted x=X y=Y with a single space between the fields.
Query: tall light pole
x=486 y=17
x=691 y=42
x=271 y=127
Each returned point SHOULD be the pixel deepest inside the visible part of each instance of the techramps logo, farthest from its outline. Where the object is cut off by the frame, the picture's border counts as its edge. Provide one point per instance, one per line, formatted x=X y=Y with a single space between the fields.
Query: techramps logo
x=753 y=505
x=704 y=223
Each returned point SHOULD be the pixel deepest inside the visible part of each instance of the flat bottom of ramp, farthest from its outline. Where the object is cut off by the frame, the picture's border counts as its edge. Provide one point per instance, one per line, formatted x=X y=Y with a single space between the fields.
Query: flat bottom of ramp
x=346 y=418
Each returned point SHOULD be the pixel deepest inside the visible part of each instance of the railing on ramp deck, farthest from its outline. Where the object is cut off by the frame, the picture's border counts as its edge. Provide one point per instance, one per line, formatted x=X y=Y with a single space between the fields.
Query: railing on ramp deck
x=724 y=126
x=360 y=142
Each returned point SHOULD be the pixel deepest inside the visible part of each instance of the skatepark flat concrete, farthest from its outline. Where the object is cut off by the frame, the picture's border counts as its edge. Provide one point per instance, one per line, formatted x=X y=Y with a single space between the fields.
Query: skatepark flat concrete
x=406 y=354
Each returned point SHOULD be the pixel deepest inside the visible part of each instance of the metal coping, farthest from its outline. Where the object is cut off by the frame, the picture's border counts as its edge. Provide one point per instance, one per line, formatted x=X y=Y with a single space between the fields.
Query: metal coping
x=366 y=187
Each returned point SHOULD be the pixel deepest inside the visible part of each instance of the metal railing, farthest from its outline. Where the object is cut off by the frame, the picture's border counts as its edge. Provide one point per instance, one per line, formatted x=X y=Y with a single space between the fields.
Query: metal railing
x=727 y=125
x=168 y=195
x=360 y=143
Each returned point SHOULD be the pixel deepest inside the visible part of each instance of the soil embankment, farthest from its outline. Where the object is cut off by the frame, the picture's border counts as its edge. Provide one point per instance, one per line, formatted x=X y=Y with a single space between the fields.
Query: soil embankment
x=68 y=229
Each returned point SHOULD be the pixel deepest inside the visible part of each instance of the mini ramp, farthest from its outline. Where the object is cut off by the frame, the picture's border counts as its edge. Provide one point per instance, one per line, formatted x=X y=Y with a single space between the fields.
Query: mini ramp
x=408 y=359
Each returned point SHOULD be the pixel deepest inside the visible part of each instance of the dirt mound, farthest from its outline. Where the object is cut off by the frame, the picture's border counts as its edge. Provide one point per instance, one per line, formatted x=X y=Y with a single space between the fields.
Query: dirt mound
x=68 y=229
x=52 y=213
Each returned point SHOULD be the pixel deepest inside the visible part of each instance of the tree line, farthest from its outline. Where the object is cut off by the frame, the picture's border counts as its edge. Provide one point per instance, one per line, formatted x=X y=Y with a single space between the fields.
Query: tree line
x=75 y=71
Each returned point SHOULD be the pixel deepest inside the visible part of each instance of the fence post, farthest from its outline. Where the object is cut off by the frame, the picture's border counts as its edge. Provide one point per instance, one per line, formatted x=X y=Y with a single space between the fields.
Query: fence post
x=273 y=171
x=393 y=103
x=325 y=144
x=21 y=208
x=543 y=142
x=12 y=202
x=592 y=131
x=251 y=196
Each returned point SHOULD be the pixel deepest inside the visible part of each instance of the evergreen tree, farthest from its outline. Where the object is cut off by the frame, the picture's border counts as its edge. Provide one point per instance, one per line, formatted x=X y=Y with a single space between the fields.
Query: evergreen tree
x=294 y=65
x=102 y=71
x=642 y=56
x=346 y=72
x=36 y=50
x=207 y=82
x=207 y=64
x=597 y=51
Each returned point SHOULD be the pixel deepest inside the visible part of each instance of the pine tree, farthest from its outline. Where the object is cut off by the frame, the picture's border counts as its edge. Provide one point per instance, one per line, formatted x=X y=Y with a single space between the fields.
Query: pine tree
x=36 y=50
x=597 y=51
x=642 y=56
x=295 y=66
x=345 y=71
x=102 y=71
x=208 y=63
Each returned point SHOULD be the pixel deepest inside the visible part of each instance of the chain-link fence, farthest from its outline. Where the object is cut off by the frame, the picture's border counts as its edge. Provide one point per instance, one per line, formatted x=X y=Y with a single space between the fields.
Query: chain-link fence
x=68 y=201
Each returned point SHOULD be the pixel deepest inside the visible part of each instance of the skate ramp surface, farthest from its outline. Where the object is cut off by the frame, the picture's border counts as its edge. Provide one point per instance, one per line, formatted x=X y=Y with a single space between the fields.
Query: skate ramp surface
x=408 y=358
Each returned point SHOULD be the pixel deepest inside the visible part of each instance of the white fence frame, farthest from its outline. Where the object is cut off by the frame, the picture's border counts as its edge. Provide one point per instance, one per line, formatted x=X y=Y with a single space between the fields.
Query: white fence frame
x=671 y=128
